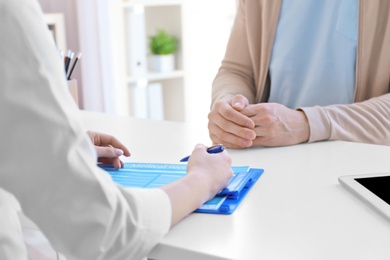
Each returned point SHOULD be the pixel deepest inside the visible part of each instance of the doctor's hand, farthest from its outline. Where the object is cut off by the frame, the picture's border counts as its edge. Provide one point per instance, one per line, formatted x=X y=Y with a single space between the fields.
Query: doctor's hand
x=108 y=148
x=229 y=126
x=206 y=175
x=277 y=125
x=214 y=169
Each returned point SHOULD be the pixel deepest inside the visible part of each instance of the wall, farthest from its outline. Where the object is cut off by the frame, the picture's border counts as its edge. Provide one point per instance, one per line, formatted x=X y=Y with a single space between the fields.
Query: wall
x=68 y=8
x=207 y=25
x=91 y=27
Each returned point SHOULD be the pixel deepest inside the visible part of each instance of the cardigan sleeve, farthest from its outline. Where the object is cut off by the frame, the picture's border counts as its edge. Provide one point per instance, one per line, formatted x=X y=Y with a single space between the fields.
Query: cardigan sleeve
x=367 y=121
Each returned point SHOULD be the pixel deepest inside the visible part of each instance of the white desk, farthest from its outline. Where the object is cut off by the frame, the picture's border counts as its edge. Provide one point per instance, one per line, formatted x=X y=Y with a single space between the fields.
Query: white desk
x=297 y=209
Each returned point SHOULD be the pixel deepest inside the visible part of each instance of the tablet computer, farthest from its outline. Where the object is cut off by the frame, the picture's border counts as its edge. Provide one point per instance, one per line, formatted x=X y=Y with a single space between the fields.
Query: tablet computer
x=372 y=188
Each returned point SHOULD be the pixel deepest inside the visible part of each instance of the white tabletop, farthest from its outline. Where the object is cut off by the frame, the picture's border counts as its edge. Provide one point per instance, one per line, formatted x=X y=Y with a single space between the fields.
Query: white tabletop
x=296 y=210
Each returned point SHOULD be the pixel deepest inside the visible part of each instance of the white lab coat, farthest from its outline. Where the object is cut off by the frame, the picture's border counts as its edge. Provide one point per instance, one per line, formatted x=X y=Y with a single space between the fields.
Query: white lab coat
x=48 y=162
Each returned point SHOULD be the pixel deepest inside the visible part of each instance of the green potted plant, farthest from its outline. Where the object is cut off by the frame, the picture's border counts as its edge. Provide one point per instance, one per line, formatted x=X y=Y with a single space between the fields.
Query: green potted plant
x=162 y=47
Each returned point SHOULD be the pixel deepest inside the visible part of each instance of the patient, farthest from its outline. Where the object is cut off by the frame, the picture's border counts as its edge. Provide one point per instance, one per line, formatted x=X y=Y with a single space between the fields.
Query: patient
x=300 y=71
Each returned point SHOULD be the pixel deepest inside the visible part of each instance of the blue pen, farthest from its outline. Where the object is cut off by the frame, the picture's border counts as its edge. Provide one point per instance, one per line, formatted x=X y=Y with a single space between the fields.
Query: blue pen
x=212 y=149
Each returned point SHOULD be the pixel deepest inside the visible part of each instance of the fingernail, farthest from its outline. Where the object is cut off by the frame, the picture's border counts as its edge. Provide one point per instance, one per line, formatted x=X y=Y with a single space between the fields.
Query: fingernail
x=238 y=104
x=118 y=152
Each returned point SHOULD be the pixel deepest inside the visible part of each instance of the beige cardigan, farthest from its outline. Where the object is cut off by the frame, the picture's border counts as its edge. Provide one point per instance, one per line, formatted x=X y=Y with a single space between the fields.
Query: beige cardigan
x=244 y=70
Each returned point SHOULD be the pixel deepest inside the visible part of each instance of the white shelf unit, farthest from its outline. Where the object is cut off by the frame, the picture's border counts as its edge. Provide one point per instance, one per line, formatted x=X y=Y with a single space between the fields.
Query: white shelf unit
x=142 y=19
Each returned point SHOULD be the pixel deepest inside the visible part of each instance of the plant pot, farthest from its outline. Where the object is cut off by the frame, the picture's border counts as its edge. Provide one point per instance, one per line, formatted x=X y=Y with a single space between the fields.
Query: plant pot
x=162 y=63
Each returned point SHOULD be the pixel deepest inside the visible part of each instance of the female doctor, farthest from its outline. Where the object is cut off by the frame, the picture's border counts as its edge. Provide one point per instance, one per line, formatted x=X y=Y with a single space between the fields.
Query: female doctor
x=57 y=183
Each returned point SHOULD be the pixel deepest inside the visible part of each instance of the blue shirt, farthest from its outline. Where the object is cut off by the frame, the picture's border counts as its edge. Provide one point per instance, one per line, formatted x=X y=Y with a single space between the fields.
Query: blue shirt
x=314 y=54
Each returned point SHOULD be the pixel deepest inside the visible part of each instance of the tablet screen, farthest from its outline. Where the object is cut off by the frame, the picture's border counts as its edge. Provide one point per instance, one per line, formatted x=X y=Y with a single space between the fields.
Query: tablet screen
x=380 y=186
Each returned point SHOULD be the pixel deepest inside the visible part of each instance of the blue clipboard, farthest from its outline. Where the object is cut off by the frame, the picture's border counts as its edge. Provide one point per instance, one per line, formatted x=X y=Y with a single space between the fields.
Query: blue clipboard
x=235 y=197
x=154 y=175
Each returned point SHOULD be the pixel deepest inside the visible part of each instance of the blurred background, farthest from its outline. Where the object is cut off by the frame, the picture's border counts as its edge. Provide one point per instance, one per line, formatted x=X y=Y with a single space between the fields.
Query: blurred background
x=120 y=73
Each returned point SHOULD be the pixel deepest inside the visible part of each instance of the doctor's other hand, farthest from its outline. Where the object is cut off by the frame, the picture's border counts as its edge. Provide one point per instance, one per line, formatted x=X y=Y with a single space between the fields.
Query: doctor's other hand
x=108 y=148
x=229 y=126
x=277 y=125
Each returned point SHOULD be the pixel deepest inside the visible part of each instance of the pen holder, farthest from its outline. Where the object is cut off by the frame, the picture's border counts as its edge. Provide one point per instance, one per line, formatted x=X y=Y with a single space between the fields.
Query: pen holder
x=72 y=86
